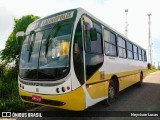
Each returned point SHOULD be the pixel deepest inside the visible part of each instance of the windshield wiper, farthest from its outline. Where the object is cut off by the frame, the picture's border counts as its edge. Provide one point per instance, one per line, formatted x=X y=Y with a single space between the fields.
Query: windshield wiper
x=31 y=43
x=55 y=29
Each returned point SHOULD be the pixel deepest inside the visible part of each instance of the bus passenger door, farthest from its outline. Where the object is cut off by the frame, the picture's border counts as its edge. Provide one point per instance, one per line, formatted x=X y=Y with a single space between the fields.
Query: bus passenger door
x=78 y=54
x=93 y=57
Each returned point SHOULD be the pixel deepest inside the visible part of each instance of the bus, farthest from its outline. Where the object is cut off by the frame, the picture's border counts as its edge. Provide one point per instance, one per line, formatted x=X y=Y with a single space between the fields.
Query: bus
x=72 y=60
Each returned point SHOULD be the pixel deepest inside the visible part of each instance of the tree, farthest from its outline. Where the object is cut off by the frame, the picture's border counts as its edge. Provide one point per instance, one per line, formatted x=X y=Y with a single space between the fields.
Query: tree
x=2 y=68
x=13 y=46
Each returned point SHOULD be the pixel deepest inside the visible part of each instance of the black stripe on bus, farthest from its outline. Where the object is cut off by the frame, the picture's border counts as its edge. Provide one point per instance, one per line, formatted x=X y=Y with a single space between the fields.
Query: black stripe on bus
x=128 y=75
x=97 y=82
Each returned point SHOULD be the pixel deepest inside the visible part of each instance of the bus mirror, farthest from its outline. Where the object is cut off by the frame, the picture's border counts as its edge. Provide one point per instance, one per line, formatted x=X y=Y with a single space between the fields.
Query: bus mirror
x=93 y=34
x=19 y=34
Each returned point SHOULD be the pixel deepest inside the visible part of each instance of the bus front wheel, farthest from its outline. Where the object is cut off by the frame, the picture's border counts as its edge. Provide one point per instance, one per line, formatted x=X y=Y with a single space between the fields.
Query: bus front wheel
x=112 y=93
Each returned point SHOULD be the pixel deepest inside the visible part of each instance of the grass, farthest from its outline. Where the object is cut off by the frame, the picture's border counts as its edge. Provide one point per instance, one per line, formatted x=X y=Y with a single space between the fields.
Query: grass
x=152 y=70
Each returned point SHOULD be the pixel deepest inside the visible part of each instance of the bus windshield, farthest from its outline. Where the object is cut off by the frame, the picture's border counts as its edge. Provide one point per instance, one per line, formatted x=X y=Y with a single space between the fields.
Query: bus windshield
x=45 y=54
x=55 y=48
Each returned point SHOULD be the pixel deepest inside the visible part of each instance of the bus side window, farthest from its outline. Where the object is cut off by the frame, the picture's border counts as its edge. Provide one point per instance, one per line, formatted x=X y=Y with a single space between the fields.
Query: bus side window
x=129 y=50
x=88 y=41
x=145 y=56
x=96 y=46
x=92 y=46
x=122 y=47
x=110 y=43
x=140 y=54
x=135 y=52
x=93 y=49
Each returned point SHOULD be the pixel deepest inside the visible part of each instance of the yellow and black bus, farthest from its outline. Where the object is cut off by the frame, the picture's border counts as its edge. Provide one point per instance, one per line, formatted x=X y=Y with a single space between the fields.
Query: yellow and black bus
x=72 y=60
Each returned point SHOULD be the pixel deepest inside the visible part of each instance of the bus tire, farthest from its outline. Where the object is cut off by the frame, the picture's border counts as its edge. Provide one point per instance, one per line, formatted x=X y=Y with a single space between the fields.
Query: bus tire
x=112 y=93
x=139 y=84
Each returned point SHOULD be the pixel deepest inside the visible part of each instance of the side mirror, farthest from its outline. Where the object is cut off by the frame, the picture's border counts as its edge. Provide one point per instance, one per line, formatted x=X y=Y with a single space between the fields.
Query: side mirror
x=20 y=34
x=93 y=34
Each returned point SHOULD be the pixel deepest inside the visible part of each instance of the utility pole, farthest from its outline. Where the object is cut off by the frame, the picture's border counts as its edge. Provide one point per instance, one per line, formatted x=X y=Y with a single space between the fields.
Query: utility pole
x=126 y=23
x=149 y=40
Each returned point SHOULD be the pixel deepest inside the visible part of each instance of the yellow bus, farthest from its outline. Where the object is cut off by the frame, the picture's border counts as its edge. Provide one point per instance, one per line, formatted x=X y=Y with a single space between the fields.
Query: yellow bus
x=72 y=60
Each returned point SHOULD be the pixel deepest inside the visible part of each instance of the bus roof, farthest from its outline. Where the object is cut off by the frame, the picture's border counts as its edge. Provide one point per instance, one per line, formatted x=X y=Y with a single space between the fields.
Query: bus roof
x=81 y=11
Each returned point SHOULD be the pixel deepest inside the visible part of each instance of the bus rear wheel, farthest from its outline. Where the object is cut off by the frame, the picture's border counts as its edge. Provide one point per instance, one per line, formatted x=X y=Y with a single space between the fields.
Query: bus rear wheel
x=139 y=84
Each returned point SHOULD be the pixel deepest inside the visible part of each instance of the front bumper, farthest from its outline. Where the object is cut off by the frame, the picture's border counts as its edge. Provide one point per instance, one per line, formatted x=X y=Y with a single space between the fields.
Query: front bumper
x=74 y=100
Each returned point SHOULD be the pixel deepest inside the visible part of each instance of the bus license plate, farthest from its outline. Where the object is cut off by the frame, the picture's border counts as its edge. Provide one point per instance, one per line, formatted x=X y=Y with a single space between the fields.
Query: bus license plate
x=36 y=98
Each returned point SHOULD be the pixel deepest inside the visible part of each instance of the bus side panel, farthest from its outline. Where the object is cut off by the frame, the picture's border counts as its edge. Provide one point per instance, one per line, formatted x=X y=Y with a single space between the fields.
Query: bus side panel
x=96 y=87
x=126 y=81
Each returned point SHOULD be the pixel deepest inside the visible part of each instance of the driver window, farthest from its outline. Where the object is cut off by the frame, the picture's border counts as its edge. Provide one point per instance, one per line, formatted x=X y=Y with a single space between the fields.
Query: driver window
x=92 y=46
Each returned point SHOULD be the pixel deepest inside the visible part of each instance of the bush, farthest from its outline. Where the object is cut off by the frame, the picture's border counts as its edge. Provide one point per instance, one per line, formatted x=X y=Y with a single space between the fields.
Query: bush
x=10 y=73
x=9 y=96
x=8 y=87
x=10 y=100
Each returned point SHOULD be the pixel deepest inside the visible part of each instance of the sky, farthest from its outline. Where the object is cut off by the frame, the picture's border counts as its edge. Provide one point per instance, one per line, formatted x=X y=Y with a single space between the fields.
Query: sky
x=112 y=12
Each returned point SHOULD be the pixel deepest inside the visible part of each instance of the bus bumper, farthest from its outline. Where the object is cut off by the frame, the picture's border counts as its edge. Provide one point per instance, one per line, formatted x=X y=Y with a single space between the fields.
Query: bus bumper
x=74 y=100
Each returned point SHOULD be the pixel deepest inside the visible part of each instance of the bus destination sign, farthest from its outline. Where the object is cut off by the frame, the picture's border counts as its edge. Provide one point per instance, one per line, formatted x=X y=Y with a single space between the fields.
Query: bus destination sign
x=57 y=18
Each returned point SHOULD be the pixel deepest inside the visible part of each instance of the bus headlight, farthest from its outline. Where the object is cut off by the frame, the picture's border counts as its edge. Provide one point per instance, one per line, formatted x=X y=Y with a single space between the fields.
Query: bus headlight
x=57 y=90
x=63 y=89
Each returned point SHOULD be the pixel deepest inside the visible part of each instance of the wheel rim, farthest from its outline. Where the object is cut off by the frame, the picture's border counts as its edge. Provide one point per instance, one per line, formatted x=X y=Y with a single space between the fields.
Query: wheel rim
x=111 y=92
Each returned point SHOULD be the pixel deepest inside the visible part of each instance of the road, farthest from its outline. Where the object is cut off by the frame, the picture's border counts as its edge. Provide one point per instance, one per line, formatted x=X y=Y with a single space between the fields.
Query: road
x=145 y=98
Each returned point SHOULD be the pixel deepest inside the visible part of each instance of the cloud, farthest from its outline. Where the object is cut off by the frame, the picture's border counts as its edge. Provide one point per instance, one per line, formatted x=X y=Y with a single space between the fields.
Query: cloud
x=2 y=46
x=6 y=23
x=109 y=11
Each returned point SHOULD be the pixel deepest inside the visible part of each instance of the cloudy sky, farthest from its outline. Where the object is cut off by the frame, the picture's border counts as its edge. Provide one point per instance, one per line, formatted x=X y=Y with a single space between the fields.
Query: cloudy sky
x=109 y=11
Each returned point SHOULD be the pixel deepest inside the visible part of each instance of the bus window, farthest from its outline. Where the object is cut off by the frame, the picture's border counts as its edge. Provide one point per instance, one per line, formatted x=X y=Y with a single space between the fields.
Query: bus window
x=135 y=52
x=110 y=43
x=143 y=55
x=29 y=55
x=122 y=47
x=130 y=50
x=78 y=39
x=92 y=46
x=98 y=44
x=140 y=54
x=93 y=55
x=54 y=54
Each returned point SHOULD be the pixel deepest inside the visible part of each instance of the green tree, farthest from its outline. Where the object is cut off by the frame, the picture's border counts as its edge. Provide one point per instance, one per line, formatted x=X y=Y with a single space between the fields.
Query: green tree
x=12 y=47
